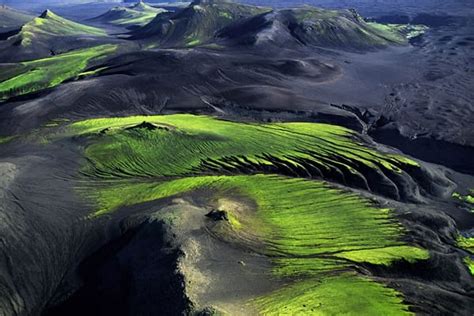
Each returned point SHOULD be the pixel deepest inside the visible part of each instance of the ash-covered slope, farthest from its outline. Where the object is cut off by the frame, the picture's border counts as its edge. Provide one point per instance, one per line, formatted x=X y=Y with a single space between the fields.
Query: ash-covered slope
x=11 y=19
x=138 y=14
x=196 y=24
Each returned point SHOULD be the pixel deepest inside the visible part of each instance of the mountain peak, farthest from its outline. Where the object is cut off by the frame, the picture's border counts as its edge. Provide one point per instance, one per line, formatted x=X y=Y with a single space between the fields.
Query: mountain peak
x=47 y=14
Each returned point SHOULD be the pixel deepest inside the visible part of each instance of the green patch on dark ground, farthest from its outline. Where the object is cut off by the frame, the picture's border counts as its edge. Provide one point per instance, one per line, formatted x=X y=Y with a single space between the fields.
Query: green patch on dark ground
x=36 y=75
x=308 y=228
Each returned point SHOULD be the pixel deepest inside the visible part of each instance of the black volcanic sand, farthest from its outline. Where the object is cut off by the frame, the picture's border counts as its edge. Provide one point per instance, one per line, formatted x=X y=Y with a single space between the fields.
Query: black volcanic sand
x=55 y=261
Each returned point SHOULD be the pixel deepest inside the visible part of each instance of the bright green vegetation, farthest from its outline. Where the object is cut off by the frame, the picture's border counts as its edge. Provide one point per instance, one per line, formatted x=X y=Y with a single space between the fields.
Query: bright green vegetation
x=139 y=14
x=384 y=256
x=308 y=228
x=193 y=42
x=470 y=264
x=466 y=243
x=298 y=214
x=204 y=144
x=468 y=198
x=49 y=72
x=407 y=30
x=345 y=294
x=91 y=72
x=51 y=24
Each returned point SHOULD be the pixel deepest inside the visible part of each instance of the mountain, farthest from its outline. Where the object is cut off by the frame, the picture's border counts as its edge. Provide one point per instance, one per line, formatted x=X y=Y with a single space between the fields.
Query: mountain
x=11 y=19
x=138 y=14
x=49 y=34
x=233 y=24
x=195 y=24
x=344 y=29
x=49 y=24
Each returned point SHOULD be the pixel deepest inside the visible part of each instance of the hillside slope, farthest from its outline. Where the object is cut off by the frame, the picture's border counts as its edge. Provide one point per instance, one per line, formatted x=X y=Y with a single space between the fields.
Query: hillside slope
x=136 y=15
x=49 y=34
x=344 y=29
x=196 y=24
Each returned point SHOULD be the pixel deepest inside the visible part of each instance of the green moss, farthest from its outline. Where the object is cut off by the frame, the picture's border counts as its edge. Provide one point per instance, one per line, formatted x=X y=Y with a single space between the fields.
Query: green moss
x=468 y=198
x=6 y=139
x=306 y=227
x=346 y=294
x=193 y=42
x=385 y=256
x=205 y=144
x=470 y=264
x=300 y=219
x=50 y=72
x=133 y=15
x=466 y=243
x=54 y=25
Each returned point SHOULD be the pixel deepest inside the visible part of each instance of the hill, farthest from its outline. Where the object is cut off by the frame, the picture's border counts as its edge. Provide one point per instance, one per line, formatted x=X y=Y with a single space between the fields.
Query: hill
x=49 y=24
x=195 y=24
x=136 y=15
x=49 y=34
x=232 y=24
x=344 y=29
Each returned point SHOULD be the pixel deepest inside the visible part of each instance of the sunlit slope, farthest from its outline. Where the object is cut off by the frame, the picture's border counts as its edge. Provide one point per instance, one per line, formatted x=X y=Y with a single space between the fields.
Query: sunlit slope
x=50 y=24
x=136 y=15
x=315 y=234
x=138 y=147
x=32 y=76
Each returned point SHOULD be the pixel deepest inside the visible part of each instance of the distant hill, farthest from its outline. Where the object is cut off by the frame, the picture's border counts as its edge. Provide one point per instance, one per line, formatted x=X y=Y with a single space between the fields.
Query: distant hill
x=344 y=29
x=196 y=24
x=49 y=24
x=11 y=19
x=135 y=15
x=49 y=34
x=228 y=23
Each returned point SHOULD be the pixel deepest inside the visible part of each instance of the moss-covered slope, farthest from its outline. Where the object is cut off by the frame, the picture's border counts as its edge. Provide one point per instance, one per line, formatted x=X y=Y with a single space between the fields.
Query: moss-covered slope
x=138 y=147
x=49 y=24
x=136 y=15
x=314 y=234
x=32 y=76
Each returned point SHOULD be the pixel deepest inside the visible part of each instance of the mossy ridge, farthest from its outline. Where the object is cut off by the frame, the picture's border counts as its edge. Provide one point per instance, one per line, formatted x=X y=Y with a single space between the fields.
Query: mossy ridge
x=302 y=225
x=468 y=198
x=53 y=25
x=49 y=72
x=467 y=243
x=307 y=228
x=139 y=15
x=469 y=262
x=345 y=294
x=299 y=215
x=204 y=144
